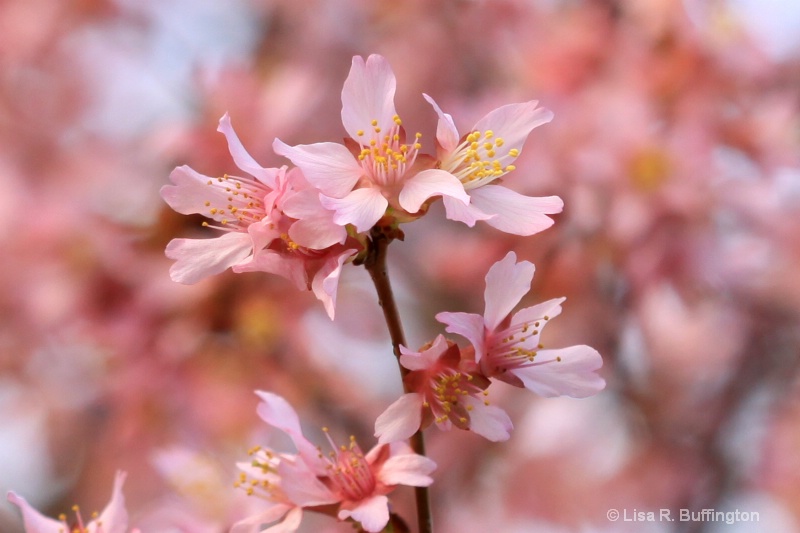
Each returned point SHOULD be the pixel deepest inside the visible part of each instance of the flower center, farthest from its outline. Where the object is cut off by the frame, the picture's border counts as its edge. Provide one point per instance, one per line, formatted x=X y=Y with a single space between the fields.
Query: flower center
x=516 y=346
x=78 y=526
x=386 y=157
x=349 y=471
x=235 y=202
x=448 y=388
x=265 y=484
x=480 y=159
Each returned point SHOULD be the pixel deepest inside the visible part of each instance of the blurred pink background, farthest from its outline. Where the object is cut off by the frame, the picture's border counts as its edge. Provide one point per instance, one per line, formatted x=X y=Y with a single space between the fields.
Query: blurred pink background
x=675 y=146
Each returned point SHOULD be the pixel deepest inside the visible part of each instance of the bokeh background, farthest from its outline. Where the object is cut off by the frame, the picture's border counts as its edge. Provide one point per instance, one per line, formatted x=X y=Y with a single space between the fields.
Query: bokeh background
x=675 y=146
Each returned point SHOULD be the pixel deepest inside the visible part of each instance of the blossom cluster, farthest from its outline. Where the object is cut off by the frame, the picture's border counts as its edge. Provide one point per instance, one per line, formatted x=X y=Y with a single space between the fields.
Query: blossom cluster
x=304 y=223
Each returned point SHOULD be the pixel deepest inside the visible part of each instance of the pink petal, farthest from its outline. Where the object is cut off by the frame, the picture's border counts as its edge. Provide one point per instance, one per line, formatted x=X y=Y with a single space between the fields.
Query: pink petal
x=289 y=524
x=574 y=375
x=488 y=421
x=407 y=469
x=425 y=359
x=242 y=158
x=468 y=325
x=372 y=513
x=513 y=123
x=326 y=282
x=315 y=227
x=302 y=486
x=329 y=167
x=34 y=521
x=400 y=420
x=197 y=259
x=367 y=95
x=515 y=213
x=277 y=412
x=466 y=213
x=446 y=132
x=550 y=309
x=506 y=283
x=287 y=266
x=428 y=183
x=361 y=208
x=114 y=517
x=190 y=193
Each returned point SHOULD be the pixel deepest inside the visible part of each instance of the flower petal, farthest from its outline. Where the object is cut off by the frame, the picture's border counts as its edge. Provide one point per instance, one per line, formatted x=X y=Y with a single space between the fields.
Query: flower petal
x=574 y=374
x=326 y=282
x=315 y=227
x=289 y=524
x=468 y=325
x=361 y=208
x=372 y=513
x=488 y=421
x=428 y=183
x=197 y=259
x=407 y=469
x=190 y=193
x=513 y=123
x=34 y=521
x=278 y=413
x=461 y=212
x=426 y=358
x=302 y=486
x=367 y=95
x=114 y=518
x=446 y=132
x=242 y=158
x=506 y=283
x=515 y=213
x=329 y=167
x=400 y=420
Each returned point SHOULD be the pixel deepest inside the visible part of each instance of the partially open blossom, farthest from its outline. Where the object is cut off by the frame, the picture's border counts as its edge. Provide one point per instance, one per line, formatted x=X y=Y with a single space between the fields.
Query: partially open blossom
x=355 y=482
x=446 y=389
x=483 y=156
x=379 y=172
x=508 y=347
x=113 y=519
x=271 y=221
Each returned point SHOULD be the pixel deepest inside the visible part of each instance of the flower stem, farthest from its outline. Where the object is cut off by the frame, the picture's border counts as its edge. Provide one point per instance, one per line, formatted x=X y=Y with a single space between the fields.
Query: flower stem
x=375 y=263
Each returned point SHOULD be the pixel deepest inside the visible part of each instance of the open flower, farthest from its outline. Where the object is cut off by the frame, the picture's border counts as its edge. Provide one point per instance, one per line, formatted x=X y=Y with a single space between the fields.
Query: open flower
x=271 y=221
x=379 y=172
x=508 y=347
x=113 y=519
x=485 y=155
x=446 y=389
x=355 y=483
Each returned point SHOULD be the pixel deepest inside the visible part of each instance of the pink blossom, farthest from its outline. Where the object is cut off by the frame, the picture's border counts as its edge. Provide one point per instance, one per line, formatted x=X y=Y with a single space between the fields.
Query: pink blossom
x=357 y=482
x=380 y=172
x=271 y=222
x=446 y=389
x=113 y=519
x=508 y=347
x=483 y=156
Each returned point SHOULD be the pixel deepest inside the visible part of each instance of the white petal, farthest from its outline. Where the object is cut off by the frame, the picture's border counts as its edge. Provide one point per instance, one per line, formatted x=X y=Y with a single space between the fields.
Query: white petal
x=513 y=123
x=461 y=212
x=515 y=213
x=372 y=513
x=506 y=283
x=407 y=469
x=326 y=282
x=34 y=521
x=114 y=518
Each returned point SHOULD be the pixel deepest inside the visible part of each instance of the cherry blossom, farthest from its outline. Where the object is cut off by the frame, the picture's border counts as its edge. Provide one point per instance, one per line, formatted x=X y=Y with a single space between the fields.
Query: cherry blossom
x=508 y=347
x=113 y=519
x=480 y=158
x=357 y=482
x=377 y=168
x=446 y=389
x=271 y=221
